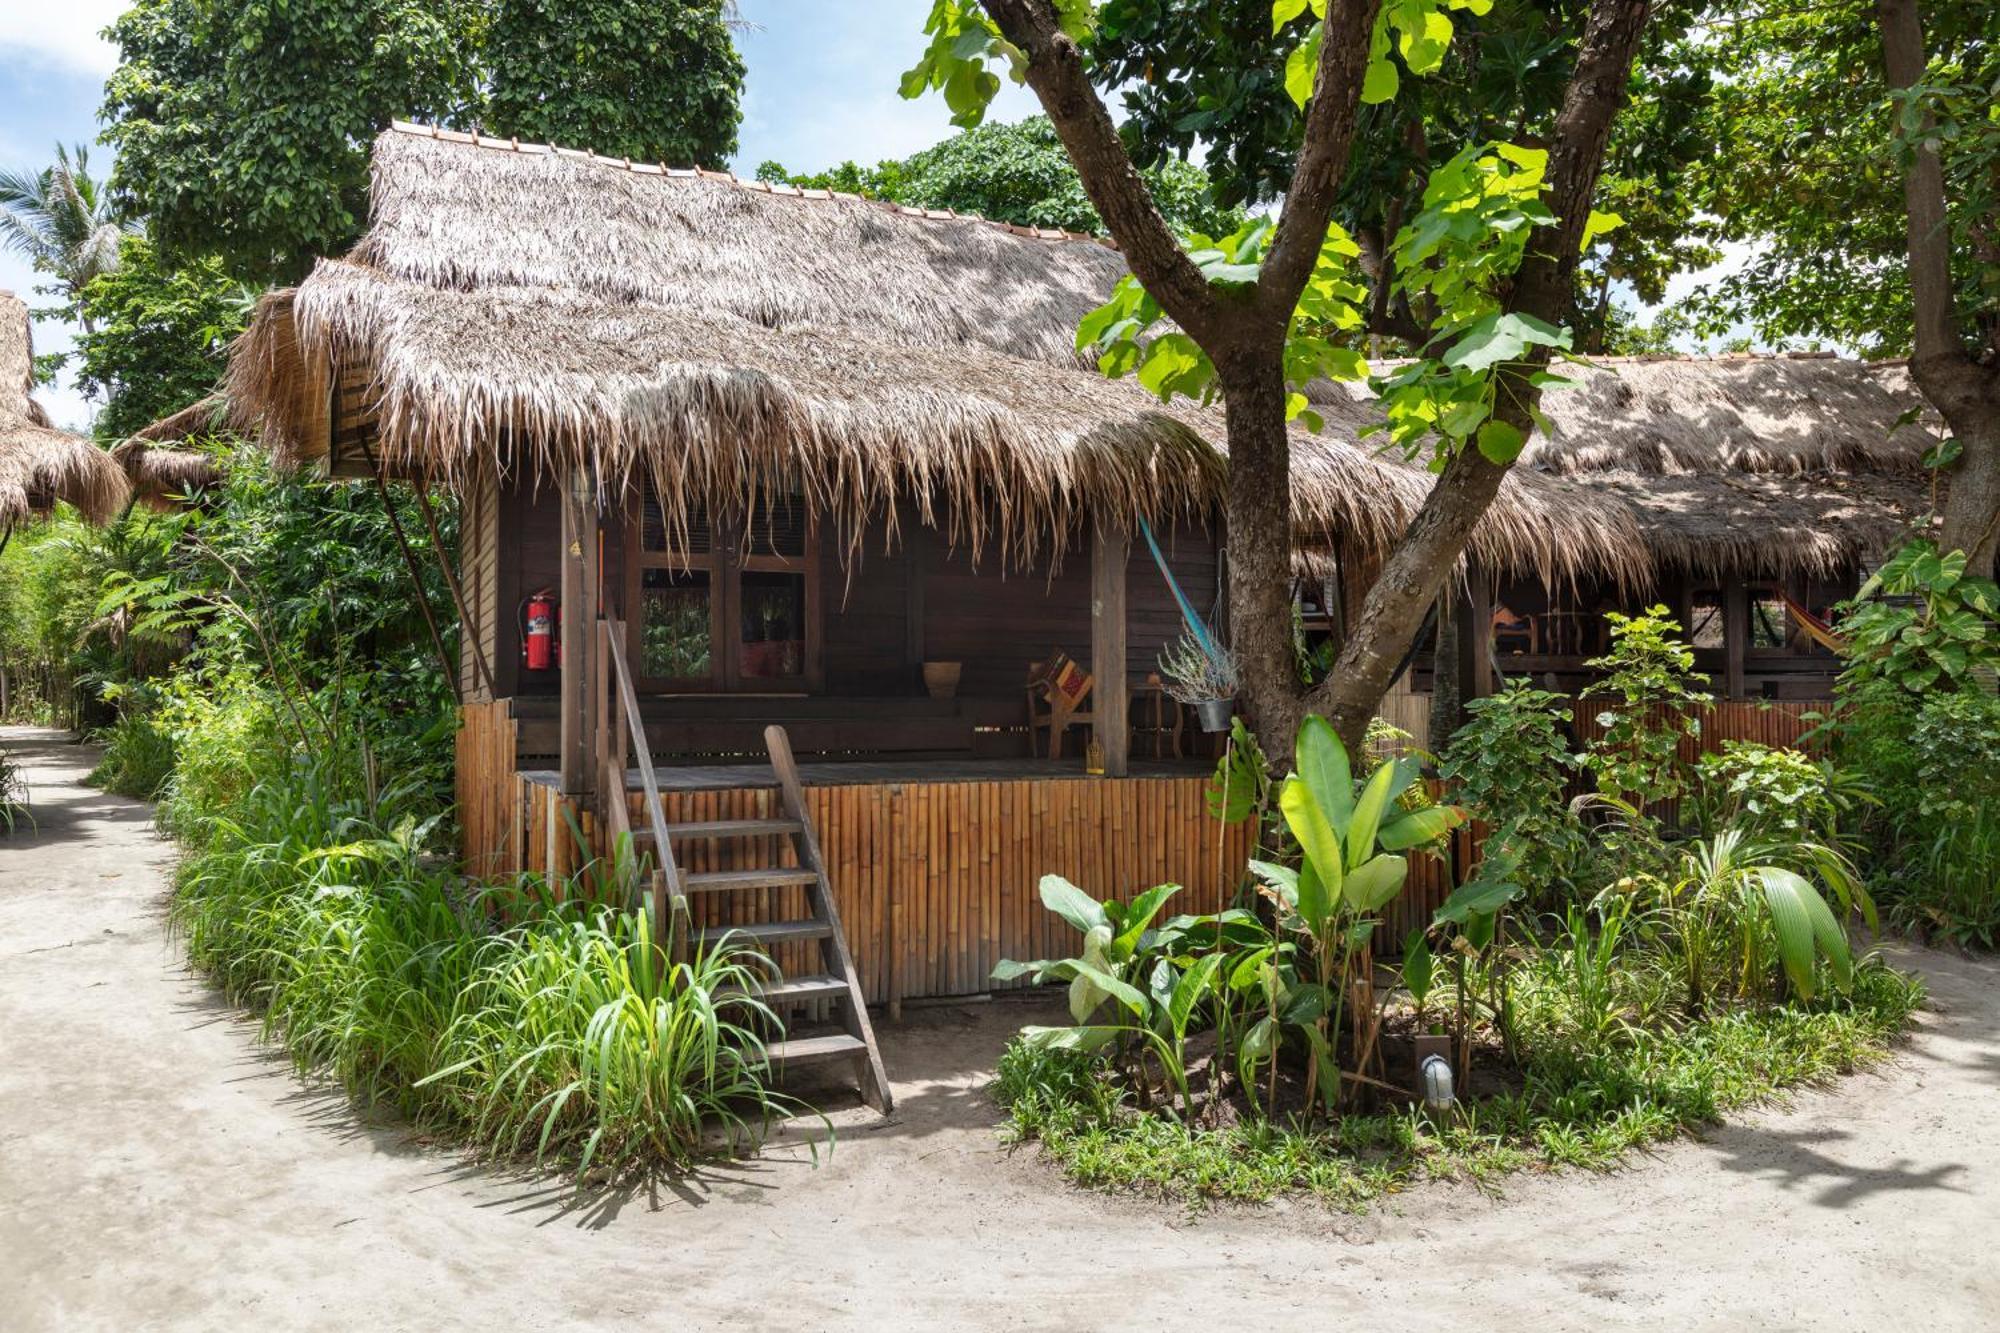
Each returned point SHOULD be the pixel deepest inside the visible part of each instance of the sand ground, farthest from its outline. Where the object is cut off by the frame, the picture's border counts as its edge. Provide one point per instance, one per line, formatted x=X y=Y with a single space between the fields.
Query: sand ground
x=160 y=1169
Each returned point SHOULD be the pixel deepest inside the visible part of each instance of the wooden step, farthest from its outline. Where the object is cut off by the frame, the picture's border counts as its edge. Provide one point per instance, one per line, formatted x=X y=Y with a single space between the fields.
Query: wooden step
x=769 y=932
x=733 y=828
x=794 y=990
x=815 y=1050
x=716 y=881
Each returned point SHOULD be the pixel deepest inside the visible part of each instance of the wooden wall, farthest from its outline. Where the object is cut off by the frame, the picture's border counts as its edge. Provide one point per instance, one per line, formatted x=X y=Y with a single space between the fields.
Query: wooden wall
x=479 y=559
x=489 y=800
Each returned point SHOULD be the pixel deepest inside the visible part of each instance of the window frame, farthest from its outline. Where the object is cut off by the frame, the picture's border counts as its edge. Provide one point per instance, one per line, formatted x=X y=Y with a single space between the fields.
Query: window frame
x=730 y=555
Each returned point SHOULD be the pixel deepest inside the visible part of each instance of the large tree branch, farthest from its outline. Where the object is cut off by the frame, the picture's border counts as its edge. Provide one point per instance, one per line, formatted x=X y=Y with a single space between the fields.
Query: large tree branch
x=1929 y=238
x=1119 y=193
x=1329 y=137
x=1965 y=393
x=1544 y=287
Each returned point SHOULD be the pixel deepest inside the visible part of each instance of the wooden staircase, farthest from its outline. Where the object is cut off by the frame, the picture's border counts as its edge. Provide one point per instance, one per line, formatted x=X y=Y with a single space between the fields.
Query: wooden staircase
x=834 y=987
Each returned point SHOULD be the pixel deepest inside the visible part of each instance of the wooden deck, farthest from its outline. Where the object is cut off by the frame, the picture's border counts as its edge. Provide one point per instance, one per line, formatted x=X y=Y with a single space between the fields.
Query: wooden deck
x=871 y=772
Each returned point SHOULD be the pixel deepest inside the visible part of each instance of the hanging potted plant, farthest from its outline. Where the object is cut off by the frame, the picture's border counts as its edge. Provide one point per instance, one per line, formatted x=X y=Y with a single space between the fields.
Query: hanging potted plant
x=1201 y=673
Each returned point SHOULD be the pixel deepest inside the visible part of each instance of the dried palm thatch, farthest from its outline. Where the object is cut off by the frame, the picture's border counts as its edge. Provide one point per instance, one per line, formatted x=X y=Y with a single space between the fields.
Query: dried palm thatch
x=552 y=310
x=545 y=309
x=40 y=465
x=164 y=478
x=1776 y=415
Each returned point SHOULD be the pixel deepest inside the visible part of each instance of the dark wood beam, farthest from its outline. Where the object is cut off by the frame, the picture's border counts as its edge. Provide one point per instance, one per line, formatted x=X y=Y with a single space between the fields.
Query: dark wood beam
x=1110 y=553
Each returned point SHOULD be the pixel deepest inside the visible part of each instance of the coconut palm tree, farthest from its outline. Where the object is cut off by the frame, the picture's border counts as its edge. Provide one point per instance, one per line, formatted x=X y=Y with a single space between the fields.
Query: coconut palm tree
x=61 y=220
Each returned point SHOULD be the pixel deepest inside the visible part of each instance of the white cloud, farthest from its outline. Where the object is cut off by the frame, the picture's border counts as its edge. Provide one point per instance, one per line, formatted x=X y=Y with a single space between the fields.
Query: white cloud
x=64 y=33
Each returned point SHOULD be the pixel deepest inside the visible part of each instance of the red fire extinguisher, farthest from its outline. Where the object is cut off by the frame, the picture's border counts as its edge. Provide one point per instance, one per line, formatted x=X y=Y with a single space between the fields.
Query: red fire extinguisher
x=541 y=626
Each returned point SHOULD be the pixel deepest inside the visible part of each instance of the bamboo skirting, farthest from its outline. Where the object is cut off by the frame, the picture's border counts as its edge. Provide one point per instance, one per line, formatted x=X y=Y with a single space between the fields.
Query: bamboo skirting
x=489 y=806
x=936 y=881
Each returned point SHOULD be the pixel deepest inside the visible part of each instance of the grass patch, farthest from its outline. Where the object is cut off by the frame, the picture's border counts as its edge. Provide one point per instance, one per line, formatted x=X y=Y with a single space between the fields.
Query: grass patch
x=1584 y=1105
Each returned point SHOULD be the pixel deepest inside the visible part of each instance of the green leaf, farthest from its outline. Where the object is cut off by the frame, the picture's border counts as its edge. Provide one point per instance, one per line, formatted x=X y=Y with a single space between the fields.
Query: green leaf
x=1319 y=892
x=1072 y=904
x=1419 y=827
x=1376 y=881
x=1599 y=224
x=1785 y=893
x=1141 y=913
x=1500 y=442
x=1380 y=83
x=1323 y=764
x=1376 y=794
x=1302 y=68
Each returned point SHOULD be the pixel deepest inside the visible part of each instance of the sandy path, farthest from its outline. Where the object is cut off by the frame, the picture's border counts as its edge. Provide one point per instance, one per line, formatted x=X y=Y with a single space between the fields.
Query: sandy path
x=159 y=1169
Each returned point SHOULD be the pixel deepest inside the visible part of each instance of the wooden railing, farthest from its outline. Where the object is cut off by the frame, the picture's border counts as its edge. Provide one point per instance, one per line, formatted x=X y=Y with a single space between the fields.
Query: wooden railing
x=618 y=703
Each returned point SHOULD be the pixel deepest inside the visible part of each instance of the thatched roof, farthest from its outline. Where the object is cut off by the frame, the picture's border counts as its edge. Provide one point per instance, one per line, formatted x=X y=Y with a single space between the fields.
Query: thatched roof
x=544 y=308
x=1766 y=464
x=729 y=337
x=162 y=477
x=38 y=464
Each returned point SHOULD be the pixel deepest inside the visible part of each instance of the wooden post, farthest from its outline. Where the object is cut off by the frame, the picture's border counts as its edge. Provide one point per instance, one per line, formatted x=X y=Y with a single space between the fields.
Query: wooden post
x=1110 y=551
x=915 y=546
x=1478 y=636
x=1735 y=637
x=579 y=627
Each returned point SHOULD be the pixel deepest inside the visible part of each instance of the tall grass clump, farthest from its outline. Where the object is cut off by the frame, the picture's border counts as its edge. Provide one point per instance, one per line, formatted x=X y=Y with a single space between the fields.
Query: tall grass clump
x=561 y=1033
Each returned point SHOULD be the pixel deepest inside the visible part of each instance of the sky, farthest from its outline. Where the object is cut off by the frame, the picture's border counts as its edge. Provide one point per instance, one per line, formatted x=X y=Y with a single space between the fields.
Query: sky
x=820 y=89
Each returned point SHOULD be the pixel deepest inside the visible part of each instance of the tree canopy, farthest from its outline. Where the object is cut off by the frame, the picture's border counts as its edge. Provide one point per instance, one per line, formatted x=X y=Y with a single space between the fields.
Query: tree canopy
x=1015 y=173
x=1811 y=184
x=1218 y=77
x=243 y=130
x=652 y=80
x=158 y=334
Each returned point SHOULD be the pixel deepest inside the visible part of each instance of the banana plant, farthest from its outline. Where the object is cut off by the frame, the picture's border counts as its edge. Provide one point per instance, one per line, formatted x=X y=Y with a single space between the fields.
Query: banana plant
x=1352 y=847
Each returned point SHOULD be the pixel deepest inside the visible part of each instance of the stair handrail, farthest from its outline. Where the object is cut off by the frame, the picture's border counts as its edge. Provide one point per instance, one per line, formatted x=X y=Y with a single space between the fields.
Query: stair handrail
x=667 y=897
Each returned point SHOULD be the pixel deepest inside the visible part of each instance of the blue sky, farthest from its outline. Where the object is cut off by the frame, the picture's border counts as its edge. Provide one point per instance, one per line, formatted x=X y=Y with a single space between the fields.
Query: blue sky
x=821 y=88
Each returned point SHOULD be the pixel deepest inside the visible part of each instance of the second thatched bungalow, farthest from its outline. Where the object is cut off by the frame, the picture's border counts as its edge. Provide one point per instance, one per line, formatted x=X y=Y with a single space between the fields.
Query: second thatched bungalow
x=732 y=455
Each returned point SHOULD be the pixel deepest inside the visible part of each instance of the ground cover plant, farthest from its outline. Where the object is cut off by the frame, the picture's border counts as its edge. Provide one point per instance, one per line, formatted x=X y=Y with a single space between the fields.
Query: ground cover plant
x=521 y=1021
x=1597 y=982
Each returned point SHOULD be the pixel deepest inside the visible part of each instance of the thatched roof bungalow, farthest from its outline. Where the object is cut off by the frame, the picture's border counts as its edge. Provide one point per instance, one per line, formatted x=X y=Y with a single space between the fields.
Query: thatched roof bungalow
x=40 y=465
x=782 y=456
x=698 y=345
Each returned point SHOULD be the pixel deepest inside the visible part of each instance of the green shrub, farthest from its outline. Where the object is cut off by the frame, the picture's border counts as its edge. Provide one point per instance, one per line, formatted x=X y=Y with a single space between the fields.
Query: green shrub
x=1511 y=763
x=1773 y=791
x=1649 y=676
x=138 y=758
x=564 y=1035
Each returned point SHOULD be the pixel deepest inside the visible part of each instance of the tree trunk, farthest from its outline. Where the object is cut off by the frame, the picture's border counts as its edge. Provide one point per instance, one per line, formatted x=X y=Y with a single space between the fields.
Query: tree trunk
x=1259 y=541
x=1965 y=393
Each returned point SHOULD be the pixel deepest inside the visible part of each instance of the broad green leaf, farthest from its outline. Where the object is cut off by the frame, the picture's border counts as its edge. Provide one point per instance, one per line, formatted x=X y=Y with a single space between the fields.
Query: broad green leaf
x=1417 y=966
x=1322 y=847
x=1072 y=904
x=1419 y=827
x=1376 y=881
x=1140 y=915
x=1323 y=764
x=1599 y=224
x=1380 y=83
x=1302 y=68
x=1791 y=921
x=1084 y=1037
x=1368 y=810
x=1500 y=442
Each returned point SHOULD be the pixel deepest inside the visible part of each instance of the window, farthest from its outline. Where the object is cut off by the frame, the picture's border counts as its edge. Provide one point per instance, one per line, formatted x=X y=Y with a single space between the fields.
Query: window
x=1770 y=621
x=724 y=604
x=1706 y=619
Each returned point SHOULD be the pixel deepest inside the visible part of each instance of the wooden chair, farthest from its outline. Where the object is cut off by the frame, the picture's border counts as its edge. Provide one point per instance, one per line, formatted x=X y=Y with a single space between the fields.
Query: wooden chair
x=1163 y=718
x=1058 y=689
